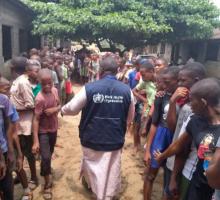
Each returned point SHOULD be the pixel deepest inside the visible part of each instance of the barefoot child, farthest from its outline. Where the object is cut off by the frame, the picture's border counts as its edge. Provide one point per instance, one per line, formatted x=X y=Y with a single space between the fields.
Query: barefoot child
x=23 y=98
x=147 y=86
x=45 y=125
x=160 y=136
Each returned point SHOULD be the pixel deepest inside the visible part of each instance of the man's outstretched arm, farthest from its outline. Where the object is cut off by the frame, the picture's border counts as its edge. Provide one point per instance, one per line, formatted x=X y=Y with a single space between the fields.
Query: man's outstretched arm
x=76 y=104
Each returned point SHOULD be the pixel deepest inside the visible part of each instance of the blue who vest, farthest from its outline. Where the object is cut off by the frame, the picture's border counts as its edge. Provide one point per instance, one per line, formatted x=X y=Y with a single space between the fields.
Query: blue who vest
x=104 y=118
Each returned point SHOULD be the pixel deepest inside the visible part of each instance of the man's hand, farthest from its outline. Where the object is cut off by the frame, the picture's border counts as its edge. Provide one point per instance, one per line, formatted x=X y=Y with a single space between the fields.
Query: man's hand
x=3 y=169
x=180 y=92
x=157 y=156
x=51 y=111
x=35 y=148
x=19 y=163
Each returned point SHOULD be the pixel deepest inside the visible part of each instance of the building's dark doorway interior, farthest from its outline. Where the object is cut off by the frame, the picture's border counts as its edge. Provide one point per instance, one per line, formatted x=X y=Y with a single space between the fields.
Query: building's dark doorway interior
x=6 y=42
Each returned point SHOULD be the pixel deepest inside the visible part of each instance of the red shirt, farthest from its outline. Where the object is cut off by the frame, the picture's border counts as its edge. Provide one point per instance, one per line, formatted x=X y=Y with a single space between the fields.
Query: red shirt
x=42 y=102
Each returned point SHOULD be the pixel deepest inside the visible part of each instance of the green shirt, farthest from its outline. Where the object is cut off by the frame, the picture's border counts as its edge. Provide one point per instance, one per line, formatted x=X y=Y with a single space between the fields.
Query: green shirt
x=65 y=72
x=37 y=89
x=150 y=89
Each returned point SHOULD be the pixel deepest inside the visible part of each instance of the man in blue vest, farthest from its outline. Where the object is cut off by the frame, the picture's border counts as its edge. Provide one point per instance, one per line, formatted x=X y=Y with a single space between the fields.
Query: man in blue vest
x=107 y=106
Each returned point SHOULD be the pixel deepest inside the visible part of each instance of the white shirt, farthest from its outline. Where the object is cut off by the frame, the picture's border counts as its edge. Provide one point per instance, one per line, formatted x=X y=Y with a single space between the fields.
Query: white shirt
x=191 y=162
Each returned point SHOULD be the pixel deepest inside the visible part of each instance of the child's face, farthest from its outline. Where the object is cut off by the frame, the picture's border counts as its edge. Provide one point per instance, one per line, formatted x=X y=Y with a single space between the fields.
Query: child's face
x=147 y=74
x=44 y=64
x=95 y=57
x=5 y=89
x=46 y=84
x=86 y=61
x=185 y=79
x=159 y=65
x=50 y=64
x=137 y=66
x=170 y=83
x=197 y=105
x=66 y=62
x=33 y=73
x=160 y=83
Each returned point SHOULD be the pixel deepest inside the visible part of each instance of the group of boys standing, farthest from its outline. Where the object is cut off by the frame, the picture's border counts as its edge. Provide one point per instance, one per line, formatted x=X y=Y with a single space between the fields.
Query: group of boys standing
x=178 y=109
x=173 y=106
x=29 y=107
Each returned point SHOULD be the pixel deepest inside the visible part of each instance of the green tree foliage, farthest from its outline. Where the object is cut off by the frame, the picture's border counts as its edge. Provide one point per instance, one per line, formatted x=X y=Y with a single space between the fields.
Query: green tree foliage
x=128 y=22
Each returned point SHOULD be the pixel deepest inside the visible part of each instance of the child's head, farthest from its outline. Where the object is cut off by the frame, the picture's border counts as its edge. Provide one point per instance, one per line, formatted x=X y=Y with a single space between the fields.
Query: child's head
x=136 y=62
x=205 y=97
x=4 y=86
x=95 y=57
x=67 y=60
x=32 y=69
x=33 y=51
x=146 y=70
x=170 y=79
x=121 y=62
x=18 y=66
x=190 y=74
x=44 y=62
x=45 y=78
x=58 y=58
x=159 y=80
x=50 y=63
x=35 y=57
x=160 y=64
x=86 y=61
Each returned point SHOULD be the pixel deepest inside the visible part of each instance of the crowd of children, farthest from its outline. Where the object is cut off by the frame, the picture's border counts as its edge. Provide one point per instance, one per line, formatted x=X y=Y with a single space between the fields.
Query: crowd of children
x=177 y=107
x=29 y=104
x=177 y=110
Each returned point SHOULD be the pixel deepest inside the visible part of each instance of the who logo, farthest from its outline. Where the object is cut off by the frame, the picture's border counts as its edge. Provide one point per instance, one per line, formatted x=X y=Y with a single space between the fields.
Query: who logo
x=98 y=98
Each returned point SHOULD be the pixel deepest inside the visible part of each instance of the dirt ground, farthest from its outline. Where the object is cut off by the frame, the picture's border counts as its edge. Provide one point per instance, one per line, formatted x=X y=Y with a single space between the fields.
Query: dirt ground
x=66 y=168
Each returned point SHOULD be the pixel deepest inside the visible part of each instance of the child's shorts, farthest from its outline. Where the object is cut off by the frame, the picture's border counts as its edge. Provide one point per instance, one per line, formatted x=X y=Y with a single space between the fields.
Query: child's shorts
x=161 y=142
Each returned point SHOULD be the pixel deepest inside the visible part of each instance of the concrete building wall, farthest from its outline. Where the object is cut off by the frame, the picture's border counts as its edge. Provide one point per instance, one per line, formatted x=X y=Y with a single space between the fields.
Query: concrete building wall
x=184 y=52
x=17 y=19
x=213 y=68
x=156 y=50
x=168 y=52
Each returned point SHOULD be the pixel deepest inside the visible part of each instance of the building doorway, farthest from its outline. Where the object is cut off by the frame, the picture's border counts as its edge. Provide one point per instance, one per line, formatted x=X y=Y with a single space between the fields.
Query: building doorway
x=6 y=43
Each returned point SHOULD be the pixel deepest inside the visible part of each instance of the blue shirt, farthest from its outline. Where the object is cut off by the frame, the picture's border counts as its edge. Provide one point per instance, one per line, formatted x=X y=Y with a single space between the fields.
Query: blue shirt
x=131 y=79
x=7 y=110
